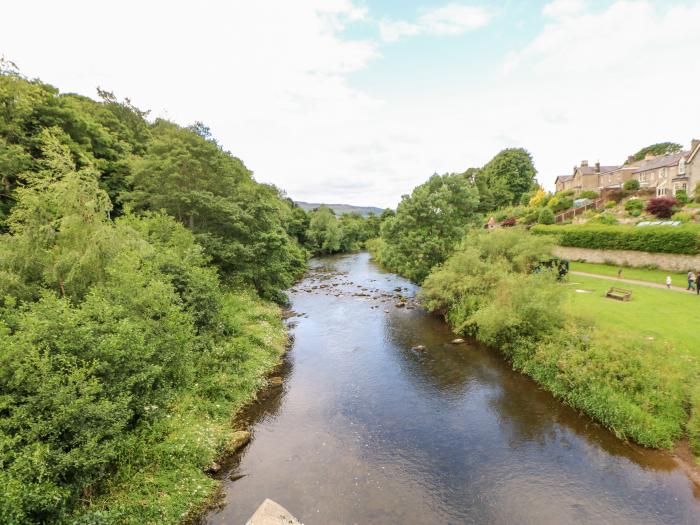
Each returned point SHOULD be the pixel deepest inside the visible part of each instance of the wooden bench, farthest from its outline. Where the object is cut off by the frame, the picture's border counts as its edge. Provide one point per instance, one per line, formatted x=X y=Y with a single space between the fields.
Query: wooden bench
x=619 y=293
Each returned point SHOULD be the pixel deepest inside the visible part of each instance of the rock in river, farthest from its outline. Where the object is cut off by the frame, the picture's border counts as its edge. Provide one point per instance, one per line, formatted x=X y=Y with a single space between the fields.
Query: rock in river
x=458 y=341
x=418 y=348
x=238 y=440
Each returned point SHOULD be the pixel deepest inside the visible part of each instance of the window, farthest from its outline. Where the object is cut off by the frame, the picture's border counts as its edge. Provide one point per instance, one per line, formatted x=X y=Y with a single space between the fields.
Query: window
x=643 y=177
x=681 y=166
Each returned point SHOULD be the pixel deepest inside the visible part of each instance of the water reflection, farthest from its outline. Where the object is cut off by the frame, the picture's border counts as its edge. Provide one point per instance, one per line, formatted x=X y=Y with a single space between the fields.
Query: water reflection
x=368 y=430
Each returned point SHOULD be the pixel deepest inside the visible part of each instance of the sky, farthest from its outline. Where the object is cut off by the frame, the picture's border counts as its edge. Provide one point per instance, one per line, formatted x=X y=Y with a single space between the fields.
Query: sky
x=359 y=101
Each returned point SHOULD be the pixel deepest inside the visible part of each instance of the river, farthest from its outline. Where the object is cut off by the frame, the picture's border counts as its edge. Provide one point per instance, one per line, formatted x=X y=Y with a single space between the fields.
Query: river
x=366 y=429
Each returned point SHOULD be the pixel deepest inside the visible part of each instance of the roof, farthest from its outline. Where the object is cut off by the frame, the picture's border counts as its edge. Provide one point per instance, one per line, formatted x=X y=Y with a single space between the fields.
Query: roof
x=563 y=178
x=660 y=162
x=592 y=170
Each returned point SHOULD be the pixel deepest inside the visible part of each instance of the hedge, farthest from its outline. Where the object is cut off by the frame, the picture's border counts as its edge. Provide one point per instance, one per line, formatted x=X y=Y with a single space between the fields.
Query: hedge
x=662 y=239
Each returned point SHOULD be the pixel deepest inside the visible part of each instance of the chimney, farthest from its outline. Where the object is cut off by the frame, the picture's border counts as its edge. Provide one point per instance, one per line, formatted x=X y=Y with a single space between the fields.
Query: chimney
x=649 y=156
x=597 y=167
x=630 y=159
x=584 y=163
x=694 y=144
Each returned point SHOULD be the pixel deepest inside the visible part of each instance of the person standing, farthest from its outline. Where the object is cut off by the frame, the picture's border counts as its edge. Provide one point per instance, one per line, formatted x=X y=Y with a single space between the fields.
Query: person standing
x=668 y=282
x=691 y=279
x=697 y=282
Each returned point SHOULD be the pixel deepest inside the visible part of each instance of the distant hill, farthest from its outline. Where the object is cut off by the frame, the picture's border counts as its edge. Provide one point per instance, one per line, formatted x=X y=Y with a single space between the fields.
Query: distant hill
x=339 y=209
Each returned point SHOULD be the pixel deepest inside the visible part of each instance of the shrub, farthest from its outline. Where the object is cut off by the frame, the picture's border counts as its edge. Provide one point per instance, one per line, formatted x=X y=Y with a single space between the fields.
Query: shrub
x=631 y=185
x=558 y=204
x=506 y=223
x=546 y=216
x=660 y=239
x=662 y=207
x=682 y=216
x=682 y=196
x=610 y=204
x=605 y=218
x=588 y=194
x=634 y=207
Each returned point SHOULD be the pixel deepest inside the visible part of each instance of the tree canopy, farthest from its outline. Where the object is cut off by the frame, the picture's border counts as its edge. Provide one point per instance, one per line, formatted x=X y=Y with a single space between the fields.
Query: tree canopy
x=662 y=148
x=507 y=176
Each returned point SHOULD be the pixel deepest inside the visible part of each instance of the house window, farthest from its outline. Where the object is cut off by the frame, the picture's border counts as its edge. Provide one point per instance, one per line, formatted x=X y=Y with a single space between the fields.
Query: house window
x=681 y=166
x=643 y=177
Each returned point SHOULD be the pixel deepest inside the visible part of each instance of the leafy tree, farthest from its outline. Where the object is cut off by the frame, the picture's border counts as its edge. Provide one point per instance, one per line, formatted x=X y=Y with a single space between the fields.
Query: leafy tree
x=238 y=221
x=662 y=148
x=324 y=232
x=428 y=224
x=508 y=176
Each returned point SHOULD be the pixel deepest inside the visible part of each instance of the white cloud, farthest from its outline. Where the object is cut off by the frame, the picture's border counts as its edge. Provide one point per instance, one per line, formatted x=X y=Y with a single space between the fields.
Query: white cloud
x=615 y=79
x=563 y=8
x=272 y=80
x=450 y=19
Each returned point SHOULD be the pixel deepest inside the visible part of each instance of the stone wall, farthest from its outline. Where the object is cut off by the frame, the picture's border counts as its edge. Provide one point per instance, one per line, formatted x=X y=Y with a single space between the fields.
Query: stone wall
x=664 y=261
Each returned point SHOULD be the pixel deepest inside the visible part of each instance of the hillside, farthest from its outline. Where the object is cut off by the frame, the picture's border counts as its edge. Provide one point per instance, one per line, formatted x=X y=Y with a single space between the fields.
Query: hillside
x=340 y=209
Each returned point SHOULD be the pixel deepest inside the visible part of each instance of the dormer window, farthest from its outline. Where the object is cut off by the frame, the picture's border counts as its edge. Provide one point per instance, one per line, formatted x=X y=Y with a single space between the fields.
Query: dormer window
x=681 y=166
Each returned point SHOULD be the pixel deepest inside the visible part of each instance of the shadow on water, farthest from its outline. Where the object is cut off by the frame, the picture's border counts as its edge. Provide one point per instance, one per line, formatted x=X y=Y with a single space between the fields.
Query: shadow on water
x=367 y=429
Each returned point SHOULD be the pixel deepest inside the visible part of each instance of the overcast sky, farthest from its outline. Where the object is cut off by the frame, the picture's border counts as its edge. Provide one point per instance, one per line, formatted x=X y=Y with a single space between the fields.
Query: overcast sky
x=359 y=101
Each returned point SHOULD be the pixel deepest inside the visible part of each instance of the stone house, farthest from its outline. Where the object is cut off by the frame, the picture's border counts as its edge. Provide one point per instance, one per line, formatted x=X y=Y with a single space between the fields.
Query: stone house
x=584 y=177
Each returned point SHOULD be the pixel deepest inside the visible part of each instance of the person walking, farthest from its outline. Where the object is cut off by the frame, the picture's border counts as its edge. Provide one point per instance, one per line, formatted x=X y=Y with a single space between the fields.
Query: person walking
x=691 y=279
x=668 y=282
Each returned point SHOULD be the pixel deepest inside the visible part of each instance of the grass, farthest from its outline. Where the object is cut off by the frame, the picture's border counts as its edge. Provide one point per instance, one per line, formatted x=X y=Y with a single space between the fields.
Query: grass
x=671 y=318
x=638 y=274
x=163 y=479
x=659 y=331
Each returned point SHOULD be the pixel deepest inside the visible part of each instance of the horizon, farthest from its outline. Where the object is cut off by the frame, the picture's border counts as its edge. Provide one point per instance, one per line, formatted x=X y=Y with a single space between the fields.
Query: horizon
x=359 y=102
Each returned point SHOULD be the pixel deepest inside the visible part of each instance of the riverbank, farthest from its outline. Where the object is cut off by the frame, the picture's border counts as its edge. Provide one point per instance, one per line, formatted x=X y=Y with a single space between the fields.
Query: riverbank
x=595 y=354
x=166 y=478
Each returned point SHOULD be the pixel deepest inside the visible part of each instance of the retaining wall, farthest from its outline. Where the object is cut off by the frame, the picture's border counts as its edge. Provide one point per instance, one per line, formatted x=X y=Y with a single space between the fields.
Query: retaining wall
x=664 y=261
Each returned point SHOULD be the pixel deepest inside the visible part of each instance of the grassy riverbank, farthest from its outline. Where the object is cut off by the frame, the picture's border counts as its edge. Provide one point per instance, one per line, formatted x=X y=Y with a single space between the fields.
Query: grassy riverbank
x=162 y=479
x=629 y=366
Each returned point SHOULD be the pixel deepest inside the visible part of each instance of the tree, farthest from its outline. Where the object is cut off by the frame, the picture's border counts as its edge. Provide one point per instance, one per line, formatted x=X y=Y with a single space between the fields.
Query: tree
x=428 y=224
x=238 y=221
x=508 y=175
x=324 y=231
x=662 y=148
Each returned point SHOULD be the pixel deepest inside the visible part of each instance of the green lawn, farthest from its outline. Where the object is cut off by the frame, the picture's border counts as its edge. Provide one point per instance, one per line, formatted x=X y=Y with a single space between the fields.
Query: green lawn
x=639 y=274
x=671 y=318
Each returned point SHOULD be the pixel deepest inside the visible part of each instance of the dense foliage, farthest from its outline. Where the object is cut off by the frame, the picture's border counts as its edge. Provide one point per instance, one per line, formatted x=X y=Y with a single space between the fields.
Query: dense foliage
x=508 y=176
x=662 y=239
x=662 y=207
x=487 y=289
x=328 y=233
x=116 y=330
x=428 y=224
x=662 y=148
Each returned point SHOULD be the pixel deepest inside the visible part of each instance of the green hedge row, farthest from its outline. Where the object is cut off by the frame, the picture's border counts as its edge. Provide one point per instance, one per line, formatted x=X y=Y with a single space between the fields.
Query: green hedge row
x=663 y=239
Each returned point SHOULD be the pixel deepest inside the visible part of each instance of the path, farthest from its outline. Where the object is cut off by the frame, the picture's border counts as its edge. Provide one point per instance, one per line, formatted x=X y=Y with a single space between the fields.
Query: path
x=630 y=281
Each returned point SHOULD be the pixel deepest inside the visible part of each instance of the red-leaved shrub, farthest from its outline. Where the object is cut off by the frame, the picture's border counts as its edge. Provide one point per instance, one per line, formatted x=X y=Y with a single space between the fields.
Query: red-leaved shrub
x=662 y=207
x=510 y=221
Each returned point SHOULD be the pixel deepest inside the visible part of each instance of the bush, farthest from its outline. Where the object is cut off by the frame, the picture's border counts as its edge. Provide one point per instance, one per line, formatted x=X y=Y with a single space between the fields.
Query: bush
x=662 y=207
x=558 y=204
x=605 y=218
x=610 y=204
x=682 y=196
x=660 y=239
x=682 y=216
x=546 y=216
x=634 y=207
x=631 y=185
x=588 y=194
x=506 y=223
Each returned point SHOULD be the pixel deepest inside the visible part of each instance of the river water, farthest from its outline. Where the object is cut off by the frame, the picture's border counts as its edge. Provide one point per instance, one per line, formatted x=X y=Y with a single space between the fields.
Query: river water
x=366 y=429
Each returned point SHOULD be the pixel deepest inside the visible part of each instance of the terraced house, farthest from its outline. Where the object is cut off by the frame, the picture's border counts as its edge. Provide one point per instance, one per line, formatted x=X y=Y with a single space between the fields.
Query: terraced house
x=665 y=174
